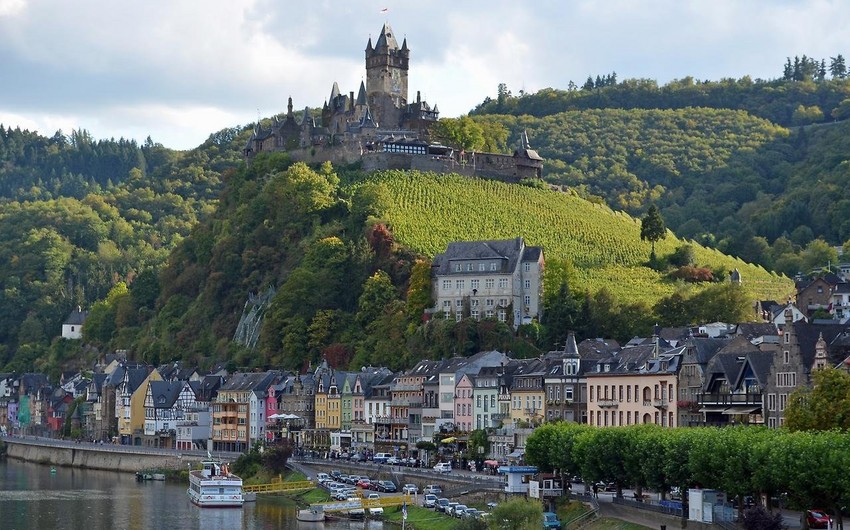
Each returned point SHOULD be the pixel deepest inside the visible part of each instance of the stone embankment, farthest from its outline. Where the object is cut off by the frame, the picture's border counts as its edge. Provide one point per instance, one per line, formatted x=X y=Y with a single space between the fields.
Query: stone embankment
x=95 y=456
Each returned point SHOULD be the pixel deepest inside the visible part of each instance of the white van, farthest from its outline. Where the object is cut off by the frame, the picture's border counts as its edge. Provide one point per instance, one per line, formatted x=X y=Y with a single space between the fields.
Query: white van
x=443 y=467
x=381 y=458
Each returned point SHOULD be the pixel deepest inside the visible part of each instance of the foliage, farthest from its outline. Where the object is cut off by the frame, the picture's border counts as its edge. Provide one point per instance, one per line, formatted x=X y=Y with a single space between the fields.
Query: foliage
x=824 y=406
x=275 y=456
x=758 y=518
x=652 y=228
x=516 y=514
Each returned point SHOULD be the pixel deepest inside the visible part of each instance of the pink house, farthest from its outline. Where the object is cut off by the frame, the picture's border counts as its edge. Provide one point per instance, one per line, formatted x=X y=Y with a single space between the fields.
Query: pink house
x=463 y=404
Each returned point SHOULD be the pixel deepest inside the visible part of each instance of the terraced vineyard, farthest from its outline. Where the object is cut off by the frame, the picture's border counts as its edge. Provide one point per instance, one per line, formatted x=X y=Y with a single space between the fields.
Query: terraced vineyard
x=426 y=211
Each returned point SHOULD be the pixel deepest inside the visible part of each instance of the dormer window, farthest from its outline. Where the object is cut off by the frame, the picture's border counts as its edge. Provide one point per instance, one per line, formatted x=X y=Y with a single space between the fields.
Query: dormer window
x=607 y=367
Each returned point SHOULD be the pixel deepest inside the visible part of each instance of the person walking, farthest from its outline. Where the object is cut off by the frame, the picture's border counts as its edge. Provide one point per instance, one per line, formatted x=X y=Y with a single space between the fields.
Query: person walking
x=595 y=491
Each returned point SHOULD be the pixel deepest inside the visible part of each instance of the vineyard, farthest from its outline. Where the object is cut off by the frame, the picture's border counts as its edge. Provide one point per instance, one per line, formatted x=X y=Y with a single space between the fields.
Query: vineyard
x=427 y=211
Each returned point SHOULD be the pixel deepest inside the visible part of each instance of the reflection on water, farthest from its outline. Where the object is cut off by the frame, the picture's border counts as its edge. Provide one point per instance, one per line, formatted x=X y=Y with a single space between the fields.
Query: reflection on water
x=32 y=497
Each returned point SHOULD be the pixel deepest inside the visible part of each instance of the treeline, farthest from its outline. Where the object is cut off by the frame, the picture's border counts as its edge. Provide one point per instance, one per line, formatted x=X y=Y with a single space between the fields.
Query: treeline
x=779 y=101
x=807 y=466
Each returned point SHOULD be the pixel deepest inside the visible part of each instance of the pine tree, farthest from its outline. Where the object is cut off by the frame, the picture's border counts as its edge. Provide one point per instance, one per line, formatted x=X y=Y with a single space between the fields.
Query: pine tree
x=837 y=67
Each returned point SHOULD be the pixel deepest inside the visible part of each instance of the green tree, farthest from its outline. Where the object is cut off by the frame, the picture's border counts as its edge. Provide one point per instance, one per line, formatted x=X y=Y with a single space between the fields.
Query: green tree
x=479 y=446
x=825 y=406
x=818 y=254
x=652 y=229
x=842 y=111
x=378 y=291
x=463 y=133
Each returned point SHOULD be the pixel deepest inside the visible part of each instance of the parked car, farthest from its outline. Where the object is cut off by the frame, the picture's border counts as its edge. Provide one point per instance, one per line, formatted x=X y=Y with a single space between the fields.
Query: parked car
x=458 y=509
x=818 y=519
x=387 y=486
x=321 y=478
x=377 y=511
x=430 y=500
x=364 y=483
x=443 y=467
x=432 y=489
x=551 y=521
x=358 y=457
x=470 y=513
x=410 y=489
x=380 y=458
x=442 y=504
x=393 y=461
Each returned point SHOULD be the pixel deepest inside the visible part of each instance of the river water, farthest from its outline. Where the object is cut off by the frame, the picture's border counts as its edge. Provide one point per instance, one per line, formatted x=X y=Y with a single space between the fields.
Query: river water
x=31 y=497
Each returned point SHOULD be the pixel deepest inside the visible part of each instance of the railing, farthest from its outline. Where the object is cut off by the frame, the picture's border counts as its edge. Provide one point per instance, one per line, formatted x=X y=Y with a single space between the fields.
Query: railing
x=660 y=403
x=728 y=398
x=607 y=403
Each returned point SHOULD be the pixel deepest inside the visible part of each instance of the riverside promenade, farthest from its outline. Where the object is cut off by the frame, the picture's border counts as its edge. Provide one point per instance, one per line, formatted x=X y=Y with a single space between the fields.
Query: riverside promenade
x=108 y=457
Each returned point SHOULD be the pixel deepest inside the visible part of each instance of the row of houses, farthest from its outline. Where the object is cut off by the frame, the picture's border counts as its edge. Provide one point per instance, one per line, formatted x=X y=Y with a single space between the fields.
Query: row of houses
x=716 y=374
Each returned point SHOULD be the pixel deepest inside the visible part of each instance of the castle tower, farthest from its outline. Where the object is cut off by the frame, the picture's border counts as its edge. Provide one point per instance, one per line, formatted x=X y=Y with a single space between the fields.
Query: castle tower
x=386 y=77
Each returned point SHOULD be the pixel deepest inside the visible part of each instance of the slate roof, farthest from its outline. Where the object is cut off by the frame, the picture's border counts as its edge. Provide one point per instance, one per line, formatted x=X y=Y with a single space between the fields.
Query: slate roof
x=386 y=41
x=509 y=251
x=704 y=348
x=752 y=330
x=807 y=337
x=597 y=348
x=76 y=318
x=165 y=393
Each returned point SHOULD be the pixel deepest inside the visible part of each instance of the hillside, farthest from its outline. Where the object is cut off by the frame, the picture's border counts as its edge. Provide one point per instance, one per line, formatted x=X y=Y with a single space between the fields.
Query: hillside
x=427 y=211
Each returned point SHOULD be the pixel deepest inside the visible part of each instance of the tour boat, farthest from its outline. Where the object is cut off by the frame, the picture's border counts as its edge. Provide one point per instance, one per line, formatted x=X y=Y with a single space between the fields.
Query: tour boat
x=215 y=486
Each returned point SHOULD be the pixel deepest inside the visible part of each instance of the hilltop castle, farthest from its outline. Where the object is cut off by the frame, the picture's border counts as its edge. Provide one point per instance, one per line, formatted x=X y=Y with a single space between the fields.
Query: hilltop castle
x=381 y=129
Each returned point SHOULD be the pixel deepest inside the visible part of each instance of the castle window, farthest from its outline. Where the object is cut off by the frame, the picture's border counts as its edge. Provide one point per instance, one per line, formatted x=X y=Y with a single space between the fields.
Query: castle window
x=481 y=266
x=469 y=267
x=503 y=283
x=489 y=283
x=460 y=284
x=527 y=267
x=458 y=267
x=527 y=284
x=474 y=284
x=447 y=284
x=493 y=266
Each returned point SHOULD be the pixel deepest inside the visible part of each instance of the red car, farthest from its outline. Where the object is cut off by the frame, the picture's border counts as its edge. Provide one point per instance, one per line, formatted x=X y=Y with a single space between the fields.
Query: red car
x=817 y=519
x=363 y=483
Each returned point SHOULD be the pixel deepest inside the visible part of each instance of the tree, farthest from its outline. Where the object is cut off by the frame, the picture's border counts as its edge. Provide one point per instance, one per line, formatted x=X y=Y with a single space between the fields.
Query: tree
x=842 y=111
x=825 y=406
x=276 y=456
x=758 y=518
x=837 y=67
x=478 y=444
x=463 y=133
x=652 y=229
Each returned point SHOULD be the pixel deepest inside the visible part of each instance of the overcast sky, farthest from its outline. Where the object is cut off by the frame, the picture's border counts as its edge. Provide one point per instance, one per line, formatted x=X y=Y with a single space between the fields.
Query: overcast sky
x=178 y=70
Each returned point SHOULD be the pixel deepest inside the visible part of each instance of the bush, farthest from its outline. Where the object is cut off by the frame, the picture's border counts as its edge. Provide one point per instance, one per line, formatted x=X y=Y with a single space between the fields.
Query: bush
x=758 y=518
x=692 y=274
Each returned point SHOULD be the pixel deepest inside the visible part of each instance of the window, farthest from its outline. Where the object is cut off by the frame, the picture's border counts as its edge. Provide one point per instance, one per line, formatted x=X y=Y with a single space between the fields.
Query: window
x=526 y=266
x=527 y=300
x=783 y=399
x=481 y=267
x=502 y=316
x=527 y=284
x=473 y=284
x=489 y=283
x=489 y=302
x=447 y=284
x=474 y=314
x=478 y=402
x=488 y=313
x=474 y=302
x=786 y=357
x=503 y=283
x=469 y=267
x=460 y=284
x=503 y=302
x=447 y=305
x=771 y=402
x=493 y=266
x=786 y=379
x=458 y=267
x=568 y=393
x=459 y=302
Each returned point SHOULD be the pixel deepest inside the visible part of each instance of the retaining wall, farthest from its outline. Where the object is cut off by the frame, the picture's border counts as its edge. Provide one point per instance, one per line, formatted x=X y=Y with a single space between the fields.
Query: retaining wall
x=92 y=457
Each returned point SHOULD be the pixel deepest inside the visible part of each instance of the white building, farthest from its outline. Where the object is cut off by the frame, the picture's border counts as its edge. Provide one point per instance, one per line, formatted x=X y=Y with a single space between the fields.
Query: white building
x=489 y=279
x=72 y=328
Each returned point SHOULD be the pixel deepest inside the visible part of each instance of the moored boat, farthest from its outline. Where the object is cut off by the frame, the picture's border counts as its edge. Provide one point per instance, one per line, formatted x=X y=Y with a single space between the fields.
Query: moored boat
x=311 y=515
x=215 y=486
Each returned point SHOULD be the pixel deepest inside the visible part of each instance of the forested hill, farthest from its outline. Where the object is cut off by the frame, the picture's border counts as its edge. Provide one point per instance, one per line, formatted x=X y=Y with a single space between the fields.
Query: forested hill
x=735 y=180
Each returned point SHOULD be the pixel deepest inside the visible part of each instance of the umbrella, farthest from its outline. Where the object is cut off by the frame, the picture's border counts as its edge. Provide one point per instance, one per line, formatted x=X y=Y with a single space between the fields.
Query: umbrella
x=491 y=463
x=277 y=416
x=448 y=440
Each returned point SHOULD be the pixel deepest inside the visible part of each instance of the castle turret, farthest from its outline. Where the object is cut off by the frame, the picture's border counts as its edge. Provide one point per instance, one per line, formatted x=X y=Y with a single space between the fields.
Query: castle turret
x=386 y=77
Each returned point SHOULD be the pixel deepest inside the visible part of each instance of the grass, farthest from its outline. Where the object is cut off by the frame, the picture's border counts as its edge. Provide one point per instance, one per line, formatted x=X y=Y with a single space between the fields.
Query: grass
x=605 y=523
x=419 y=518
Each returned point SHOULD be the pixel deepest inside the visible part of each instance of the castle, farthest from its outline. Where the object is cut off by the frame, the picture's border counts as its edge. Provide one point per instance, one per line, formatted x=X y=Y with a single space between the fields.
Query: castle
x=381 y=129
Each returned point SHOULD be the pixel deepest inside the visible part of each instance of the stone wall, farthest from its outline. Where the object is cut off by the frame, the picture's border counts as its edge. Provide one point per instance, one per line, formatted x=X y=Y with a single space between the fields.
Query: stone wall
x=110 y=458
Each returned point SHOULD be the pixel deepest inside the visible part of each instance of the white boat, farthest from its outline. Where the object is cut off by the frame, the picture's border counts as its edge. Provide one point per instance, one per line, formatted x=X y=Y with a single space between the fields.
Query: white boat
x=215 y=486
x=312 y=514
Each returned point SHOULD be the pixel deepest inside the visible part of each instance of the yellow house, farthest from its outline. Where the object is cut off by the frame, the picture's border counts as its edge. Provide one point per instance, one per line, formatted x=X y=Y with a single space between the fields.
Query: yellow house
x=130 y=402
x=334 y=418
x=528 y=393
x=639 y=386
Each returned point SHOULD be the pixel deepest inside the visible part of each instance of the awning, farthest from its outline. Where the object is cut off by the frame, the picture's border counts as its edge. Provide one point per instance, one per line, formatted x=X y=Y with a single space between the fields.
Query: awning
x=712 y=409
x=491 y=462
x=450 y=439
x=516 y=454
x=740 y=410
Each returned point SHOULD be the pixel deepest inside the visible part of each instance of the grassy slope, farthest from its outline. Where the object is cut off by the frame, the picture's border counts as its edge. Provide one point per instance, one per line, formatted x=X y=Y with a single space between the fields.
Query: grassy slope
x=427 y=211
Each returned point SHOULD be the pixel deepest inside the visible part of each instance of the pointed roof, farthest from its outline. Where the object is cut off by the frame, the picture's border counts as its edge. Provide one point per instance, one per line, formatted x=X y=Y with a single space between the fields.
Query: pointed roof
x=334 y=91
x=387 y=40
x=369 y=44
x=361 y=94
x=404 y=44
x=367 y=120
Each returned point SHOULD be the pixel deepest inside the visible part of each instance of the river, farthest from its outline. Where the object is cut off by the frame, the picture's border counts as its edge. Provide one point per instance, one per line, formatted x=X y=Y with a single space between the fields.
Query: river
x=31 y=497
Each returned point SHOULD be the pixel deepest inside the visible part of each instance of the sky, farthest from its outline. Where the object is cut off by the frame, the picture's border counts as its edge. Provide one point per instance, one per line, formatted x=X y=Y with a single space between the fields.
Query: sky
x=179 y=70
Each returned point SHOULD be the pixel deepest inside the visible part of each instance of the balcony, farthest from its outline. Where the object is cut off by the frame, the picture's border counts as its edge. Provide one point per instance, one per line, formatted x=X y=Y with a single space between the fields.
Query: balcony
x=407 y=388
x=660 y=403
x=499 y=416
x=730 y=399
x=607 y=403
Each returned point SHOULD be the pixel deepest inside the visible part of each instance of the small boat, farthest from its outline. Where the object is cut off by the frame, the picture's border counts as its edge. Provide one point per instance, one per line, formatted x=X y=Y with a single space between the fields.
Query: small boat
x=312 y=514
x=141 y=476
x=215 y=486
x=158 y=476
x=52 y=470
